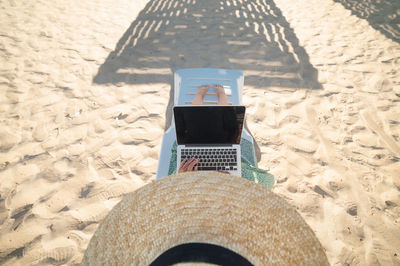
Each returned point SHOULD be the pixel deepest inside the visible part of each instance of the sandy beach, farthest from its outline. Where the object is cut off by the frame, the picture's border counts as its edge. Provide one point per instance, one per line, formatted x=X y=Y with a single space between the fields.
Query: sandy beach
x=86 y=89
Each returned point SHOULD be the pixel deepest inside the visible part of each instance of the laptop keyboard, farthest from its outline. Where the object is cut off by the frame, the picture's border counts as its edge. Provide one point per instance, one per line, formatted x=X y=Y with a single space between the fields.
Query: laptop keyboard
x=223 y=159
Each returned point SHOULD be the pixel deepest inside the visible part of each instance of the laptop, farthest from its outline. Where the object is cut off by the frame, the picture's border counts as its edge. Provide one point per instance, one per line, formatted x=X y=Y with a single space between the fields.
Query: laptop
x=212 y=135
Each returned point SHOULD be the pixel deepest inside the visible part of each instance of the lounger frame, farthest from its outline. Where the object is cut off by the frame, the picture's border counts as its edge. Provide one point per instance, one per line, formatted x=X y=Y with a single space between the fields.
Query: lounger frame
x=186 y=82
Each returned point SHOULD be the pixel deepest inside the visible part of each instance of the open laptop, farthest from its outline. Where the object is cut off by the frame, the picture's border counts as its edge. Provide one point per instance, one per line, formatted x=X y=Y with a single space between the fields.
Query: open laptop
x=212 y=135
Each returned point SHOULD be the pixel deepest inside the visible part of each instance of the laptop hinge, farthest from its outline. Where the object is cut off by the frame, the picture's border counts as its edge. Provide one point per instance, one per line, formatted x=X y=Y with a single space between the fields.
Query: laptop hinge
x=207 y=145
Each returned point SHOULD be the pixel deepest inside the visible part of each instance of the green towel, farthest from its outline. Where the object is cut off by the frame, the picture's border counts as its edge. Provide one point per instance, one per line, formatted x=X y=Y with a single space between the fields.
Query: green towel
x=249 y=169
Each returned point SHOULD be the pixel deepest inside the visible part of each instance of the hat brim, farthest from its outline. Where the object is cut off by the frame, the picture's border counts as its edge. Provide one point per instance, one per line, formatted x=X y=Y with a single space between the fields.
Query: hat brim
x=198 y=207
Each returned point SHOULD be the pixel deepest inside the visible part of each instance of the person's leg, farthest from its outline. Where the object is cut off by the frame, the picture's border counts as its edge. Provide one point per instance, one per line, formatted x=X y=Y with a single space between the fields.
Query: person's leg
x=220 y=91
x=200 y=93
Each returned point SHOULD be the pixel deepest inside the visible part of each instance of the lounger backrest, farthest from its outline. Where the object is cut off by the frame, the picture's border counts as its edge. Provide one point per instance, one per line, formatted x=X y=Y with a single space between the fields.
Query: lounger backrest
x=187 y=80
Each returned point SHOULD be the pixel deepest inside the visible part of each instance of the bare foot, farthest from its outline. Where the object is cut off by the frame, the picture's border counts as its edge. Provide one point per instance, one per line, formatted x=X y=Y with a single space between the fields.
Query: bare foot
x=200 y=93
x=220 y=91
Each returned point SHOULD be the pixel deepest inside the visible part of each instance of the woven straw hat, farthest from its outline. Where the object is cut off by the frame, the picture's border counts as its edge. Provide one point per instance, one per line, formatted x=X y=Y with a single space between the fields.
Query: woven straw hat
x=197 y=207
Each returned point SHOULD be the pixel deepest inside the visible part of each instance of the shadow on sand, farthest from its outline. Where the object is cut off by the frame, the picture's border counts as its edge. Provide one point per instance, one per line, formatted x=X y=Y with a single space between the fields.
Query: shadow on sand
x=383 y=15
x=245 y=35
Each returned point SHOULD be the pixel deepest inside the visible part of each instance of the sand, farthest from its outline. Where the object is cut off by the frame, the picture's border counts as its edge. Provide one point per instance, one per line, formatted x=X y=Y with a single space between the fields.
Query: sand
x=86 y=91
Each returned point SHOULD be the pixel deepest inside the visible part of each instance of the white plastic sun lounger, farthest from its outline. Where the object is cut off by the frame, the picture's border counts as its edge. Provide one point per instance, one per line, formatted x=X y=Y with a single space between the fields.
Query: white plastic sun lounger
x=186 y=82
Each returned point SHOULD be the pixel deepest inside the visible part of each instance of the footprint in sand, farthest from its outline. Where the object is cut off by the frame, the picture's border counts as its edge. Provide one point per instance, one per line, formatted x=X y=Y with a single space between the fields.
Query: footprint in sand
x=260 y=111
x=40 y=133
x=56 y=256
x=301 y=144
x=108 y=157
x=102 y=192
x=387 y=139
x=367 y=140
x=8 y=140
x=288 y=119
x=91 y=213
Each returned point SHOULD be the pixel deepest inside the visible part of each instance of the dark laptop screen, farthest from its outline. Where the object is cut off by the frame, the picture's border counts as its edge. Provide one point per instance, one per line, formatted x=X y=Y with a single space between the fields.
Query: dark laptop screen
x=208 y=124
